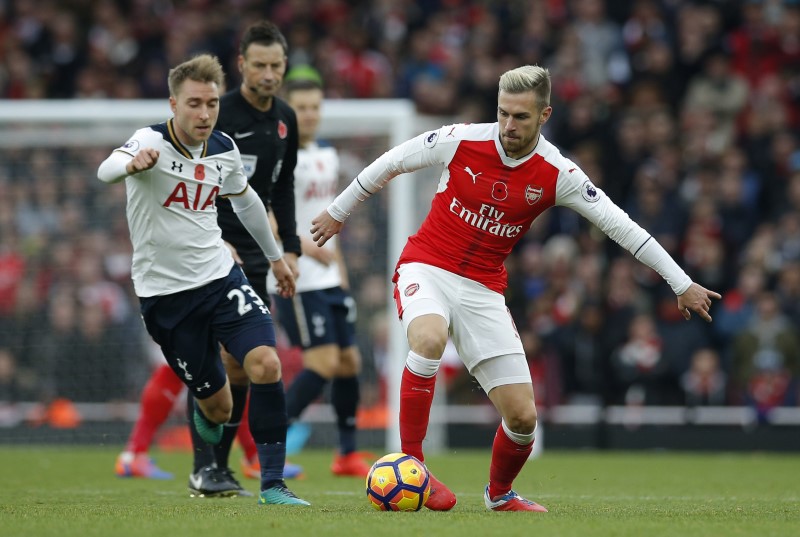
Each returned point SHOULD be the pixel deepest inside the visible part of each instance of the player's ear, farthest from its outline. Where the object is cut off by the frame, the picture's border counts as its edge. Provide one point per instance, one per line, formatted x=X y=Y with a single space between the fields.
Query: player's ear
x=173 y=104
x=545 y=115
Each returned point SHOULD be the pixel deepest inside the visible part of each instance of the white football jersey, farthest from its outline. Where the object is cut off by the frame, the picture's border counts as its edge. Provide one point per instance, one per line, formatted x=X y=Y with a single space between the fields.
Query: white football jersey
x=316 y=183
x=172 y=215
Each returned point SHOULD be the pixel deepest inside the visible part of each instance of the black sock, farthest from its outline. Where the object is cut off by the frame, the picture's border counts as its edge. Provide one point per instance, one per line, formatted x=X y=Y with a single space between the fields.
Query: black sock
x=268 y=423
x=203 y=453
x=344 y=398
x=306 y=387
x=222 y=450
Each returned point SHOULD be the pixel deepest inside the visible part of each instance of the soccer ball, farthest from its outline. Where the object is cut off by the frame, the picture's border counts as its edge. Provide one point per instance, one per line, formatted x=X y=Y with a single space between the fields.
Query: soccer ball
x=398 y=482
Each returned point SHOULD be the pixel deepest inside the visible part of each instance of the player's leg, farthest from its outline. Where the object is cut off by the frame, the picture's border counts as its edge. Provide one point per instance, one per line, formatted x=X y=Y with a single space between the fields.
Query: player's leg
x=307 y=321
x=248 y=334
x=513 y=441
x=345 y=394
x=319 y=366
x=489 y=345
x=268 y=423
x=239 y=388
x=422 y=294
x=158 y=398
x=183 y=325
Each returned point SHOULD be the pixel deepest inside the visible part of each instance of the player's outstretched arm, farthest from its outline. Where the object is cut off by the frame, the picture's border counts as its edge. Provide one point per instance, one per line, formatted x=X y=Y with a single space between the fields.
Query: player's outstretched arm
x=696 y=299
x=323 y=227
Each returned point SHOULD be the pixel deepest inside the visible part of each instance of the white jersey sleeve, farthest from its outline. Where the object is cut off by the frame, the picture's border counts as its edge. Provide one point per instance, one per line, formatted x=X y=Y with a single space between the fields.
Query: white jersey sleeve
x=576 y=191
x=427 y=149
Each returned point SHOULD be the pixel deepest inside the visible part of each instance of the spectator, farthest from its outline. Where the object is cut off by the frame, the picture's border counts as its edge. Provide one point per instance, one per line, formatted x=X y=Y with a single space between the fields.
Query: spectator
x=640 y=372
x=704 y=383
x=766 y=358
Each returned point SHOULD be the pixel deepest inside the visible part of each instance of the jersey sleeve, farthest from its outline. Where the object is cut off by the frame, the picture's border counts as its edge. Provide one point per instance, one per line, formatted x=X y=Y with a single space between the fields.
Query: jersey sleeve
x=576 y=191
x=235 y=182
x=114 y=168
x=417 y=153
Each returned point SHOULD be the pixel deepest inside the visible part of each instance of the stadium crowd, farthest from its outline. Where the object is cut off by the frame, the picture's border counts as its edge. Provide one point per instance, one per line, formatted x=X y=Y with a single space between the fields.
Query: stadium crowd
x=687 y=113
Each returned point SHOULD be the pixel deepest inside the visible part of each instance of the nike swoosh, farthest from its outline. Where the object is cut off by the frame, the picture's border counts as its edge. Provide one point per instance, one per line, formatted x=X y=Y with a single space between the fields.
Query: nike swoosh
x=196 y=481
x=238 y=135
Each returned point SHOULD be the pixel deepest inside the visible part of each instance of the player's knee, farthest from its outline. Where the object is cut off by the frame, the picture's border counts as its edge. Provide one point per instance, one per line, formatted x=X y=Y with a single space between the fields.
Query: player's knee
x=263 y=365
x=428 y=343
x=326 y=370
x=349 y=363
x=219 y=413
x=522 y=421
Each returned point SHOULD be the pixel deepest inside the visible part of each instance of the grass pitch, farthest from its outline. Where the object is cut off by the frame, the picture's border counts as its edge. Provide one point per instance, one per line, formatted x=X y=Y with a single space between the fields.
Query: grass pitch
x=72 y=491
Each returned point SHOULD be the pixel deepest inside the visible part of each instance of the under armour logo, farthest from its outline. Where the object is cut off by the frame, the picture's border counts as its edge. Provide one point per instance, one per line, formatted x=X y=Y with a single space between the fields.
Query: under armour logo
x=473 y=175
x=177 y=166
x=201 y=388
x=184 y=365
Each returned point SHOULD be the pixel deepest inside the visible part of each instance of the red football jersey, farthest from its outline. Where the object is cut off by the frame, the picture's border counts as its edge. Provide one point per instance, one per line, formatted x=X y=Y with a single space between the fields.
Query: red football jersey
x=486 y=201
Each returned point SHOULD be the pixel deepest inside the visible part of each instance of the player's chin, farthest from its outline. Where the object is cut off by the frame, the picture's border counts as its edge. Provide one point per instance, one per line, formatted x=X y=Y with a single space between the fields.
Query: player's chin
x=203 y=133
x=510 y=144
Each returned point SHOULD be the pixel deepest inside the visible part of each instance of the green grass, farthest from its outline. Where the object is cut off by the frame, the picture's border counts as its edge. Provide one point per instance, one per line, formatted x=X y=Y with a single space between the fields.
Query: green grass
x=69 y=491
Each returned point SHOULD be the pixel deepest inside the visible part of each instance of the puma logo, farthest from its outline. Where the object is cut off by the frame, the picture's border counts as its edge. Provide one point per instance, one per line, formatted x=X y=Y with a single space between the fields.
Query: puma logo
x=472 y=174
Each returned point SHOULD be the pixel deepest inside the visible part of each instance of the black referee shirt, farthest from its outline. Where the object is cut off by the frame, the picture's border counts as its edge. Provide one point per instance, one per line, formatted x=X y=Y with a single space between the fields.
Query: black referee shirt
x=269 y=141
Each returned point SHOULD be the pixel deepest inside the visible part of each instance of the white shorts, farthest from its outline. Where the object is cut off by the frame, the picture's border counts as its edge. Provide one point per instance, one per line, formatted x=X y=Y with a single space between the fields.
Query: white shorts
x=501 y=370
x=479 y=322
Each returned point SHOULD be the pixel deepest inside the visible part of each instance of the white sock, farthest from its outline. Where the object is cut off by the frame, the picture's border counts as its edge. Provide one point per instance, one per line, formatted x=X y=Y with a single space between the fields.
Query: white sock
x=517 y=438
x=424 y=367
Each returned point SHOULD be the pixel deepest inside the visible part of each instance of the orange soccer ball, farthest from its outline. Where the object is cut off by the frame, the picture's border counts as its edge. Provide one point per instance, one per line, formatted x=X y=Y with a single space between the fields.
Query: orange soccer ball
x=398 y=482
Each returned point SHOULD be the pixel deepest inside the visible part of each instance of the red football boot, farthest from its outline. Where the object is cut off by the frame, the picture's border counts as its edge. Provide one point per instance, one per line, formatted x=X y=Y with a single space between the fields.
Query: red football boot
x=441 y=498
x=511 y=501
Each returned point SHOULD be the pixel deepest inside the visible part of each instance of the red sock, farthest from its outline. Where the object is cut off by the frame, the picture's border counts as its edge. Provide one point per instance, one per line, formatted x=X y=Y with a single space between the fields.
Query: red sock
x=508 y=458
x=158 y=398
x=244 y=437
x=416 y=396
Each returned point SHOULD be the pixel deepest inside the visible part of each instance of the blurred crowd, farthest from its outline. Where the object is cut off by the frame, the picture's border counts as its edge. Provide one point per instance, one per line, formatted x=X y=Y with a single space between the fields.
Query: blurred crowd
x=687 y=113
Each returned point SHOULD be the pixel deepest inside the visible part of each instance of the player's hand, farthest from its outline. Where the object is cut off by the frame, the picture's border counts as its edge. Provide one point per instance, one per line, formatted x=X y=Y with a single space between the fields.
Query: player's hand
x=283 y=275
x=326 y=256
x=144 y=160
x=696 y=299
x=291 y=260
x=323 y=227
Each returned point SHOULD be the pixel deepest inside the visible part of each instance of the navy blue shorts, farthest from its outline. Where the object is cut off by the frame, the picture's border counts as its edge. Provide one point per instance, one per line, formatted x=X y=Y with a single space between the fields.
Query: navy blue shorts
x=315 y=318
x=190 y=325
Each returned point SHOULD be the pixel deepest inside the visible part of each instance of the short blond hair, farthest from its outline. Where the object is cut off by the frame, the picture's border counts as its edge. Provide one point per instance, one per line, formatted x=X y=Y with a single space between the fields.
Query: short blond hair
x=201 y=68
x=528 y=78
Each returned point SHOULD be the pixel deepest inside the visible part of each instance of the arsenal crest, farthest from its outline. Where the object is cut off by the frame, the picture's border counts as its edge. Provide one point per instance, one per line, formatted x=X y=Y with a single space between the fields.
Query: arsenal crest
x=533 y=194
x=283 y=130
x=411 y=289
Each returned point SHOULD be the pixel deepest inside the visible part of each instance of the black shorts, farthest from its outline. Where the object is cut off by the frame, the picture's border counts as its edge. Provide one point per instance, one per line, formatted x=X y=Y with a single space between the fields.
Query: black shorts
x=315 y=318
x=190 y=325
